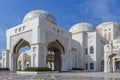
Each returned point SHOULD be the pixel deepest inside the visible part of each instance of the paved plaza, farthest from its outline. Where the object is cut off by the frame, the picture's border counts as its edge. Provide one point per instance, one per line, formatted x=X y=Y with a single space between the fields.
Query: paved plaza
x=61 y=76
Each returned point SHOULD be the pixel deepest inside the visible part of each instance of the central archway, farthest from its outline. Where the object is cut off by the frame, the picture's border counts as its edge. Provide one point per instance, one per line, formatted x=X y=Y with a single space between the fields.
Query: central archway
x=53 y=59
x=20 y=61
x=20 y=44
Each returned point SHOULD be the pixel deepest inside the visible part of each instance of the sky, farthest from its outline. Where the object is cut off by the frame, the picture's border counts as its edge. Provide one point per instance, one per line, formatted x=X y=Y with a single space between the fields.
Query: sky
x=66 y=12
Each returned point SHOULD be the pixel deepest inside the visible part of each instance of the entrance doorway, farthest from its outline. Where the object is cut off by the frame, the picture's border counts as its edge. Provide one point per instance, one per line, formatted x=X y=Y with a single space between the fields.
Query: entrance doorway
x=54 y=61
x=118 y=65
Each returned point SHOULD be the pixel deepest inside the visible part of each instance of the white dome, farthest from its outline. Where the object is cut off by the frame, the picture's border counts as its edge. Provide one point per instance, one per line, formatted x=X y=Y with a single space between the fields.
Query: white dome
x=39 y=13
x=106 y=24
x=82 y=27
x=116 y=41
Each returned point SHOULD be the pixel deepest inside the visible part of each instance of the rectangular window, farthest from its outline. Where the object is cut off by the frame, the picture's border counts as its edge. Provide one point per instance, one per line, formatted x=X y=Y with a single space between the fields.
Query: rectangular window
x=23 y=27
x=15 y=30
x=105 y=29
x=86 y=66
x=91 y=50
x=34 y=49
x=91 y=66
x=86 y=51
x=58 y=31
x=19 y=29
x=109 y=36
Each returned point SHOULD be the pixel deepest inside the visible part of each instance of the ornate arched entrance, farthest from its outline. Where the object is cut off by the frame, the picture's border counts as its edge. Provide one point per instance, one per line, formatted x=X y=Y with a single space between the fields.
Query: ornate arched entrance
x=53 y=59
x=15 y=63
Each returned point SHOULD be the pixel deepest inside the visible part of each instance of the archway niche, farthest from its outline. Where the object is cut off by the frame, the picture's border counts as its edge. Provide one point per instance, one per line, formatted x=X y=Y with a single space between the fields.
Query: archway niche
x=117 y=65
x=102 y=65
x=53 y=59
x=20 y=57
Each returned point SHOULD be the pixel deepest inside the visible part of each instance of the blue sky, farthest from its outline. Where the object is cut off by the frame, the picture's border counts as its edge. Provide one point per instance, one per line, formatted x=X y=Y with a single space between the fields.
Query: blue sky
x=67 y=12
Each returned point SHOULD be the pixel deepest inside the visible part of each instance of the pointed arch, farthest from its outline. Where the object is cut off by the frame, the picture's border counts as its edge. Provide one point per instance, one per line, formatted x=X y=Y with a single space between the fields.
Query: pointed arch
x=55 y=45
x=55 y=50
x=21 y=43
x=61 y=46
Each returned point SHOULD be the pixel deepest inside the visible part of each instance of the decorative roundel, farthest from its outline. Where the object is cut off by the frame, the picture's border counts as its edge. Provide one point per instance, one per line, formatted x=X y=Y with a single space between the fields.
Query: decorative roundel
x=45 y=14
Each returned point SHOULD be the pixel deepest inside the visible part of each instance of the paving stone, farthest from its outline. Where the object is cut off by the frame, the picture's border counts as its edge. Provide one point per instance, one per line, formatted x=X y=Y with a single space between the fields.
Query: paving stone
x=61 y=76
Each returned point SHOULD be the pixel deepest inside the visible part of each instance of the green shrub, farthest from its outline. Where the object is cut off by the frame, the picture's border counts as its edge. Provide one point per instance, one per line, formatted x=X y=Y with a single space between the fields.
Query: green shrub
x=38 y=69
x=4 y=69
x=77 y=69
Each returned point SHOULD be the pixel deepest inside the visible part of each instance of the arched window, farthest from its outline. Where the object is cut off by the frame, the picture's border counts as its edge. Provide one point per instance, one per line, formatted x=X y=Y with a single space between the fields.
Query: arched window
x=23 y=27
x=15 y=30
x=91 y=49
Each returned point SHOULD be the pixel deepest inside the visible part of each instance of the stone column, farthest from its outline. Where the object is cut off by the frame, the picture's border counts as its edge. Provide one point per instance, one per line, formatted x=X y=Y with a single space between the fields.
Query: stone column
x=22 y=63
x=108 y=65
x=32 y=60
x=42 y=56
x=33 y=54
x=105 y=65
x=18 y=66
x=113 y=65
x=13 y=62
x=10 y=61
x=5 y=58
x=63 y=67
x=37 y=53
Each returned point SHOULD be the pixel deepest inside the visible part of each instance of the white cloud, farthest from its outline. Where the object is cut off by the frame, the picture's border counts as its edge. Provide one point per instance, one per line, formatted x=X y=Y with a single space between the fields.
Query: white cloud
x=99 y=9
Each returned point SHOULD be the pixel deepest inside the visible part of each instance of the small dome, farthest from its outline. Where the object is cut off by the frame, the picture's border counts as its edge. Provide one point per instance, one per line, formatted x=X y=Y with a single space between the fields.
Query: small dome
x=87 y=27
x=116 y=41
x=39 y=13
x=106 y=24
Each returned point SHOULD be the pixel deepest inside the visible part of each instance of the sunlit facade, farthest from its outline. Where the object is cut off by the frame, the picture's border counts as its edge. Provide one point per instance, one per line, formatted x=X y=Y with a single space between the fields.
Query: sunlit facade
x=50 y=46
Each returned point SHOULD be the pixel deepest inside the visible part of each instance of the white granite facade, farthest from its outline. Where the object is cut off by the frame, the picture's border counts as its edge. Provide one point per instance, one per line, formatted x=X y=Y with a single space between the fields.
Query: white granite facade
x=51 y=46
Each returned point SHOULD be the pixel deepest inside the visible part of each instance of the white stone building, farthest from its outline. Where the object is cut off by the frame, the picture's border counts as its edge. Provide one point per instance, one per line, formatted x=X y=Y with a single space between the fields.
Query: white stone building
x=112 y=56
x=109 y=30
x=47 y=42
x=24 y=60
x=51 y=46
x=89 y=47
